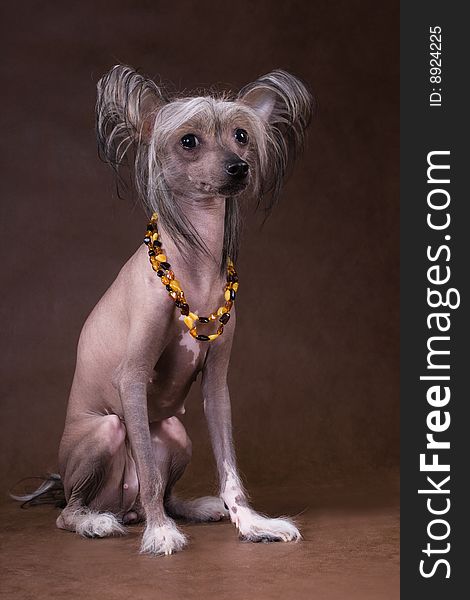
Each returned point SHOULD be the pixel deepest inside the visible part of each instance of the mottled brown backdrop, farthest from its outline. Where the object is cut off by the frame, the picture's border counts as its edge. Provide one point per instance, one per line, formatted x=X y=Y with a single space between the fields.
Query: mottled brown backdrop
x=314 y=373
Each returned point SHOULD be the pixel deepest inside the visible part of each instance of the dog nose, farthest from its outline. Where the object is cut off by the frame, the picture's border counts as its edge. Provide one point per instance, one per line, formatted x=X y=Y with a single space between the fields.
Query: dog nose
x=238 y=169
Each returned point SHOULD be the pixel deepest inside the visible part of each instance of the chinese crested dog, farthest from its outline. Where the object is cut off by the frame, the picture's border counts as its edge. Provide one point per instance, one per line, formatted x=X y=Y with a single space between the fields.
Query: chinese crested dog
x=194 y=160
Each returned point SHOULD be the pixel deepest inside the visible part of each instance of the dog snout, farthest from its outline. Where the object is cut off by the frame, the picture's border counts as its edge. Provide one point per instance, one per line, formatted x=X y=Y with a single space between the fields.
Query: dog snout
x=237 y=169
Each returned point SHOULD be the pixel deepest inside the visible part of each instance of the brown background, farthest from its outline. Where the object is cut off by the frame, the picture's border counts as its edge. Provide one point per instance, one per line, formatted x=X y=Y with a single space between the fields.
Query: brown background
x=314 y=372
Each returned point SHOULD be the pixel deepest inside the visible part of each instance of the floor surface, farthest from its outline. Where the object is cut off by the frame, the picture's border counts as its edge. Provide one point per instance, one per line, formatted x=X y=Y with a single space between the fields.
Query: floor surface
x=350 y=551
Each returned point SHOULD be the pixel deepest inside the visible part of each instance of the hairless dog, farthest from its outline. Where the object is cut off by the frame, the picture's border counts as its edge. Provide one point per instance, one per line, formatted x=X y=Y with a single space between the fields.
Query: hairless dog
x=194 y=161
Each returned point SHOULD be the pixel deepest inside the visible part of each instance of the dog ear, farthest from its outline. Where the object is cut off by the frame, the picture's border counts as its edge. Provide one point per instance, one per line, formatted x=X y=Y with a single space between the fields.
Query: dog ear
x=126 y=106
x=282 y=101
x=285 y=105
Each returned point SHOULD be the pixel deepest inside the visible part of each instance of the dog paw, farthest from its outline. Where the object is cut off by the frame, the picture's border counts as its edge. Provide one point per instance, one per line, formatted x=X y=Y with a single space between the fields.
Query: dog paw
x=97 y=525
x=256 y=528
x=207 y=508
x=162 y=539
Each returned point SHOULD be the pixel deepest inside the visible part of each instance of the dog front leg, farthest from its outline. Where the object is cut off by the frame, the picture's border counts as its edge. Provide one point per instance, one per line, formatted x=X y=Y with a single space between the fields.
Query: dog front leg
x=251 y=525
x=161 y=536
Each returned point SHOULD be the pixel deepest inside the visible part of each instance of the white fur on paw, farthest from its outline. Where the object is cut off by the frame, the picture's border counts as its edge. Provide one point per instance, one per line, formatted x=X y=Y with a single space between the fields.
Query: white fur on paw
x=163 y=539
x=207 y=508
x=94 y=524
x=256 y=528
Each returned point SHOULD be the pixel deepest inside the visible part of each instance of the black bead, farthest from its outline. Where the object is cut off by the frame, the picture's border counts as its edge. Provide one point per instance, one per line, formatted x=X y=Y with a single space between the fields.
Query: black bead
x=202 y=338
x=157 y=243
x=165 y=265
x=203 y=320
x=225 y=318
x=151 y=253
x=232 y=278
x=160 y=273
x=150 y=227
x=184 y=309
x=169 y=288
x=178 y=303
x=232 y=295
x=146 y=240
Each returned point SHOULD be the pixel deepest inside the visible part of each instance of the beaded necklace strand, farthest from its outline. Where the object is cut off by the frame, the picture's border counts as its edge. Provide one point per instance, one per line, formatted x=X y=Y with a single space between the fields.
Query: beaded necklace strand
x=160 y=265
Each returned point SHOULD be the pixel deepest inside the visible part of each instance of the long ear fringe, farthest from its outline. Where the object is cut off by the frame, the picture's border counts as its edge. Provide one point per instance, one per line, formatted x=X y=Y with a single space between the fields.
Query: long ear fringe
x=124 y=107
x=289 y=114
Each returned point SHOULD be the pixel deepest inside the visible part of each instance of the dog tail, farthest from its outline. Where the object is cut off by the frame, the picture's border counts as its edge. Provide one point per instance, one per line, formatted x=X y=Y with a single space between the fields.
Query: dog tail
x=50 y=491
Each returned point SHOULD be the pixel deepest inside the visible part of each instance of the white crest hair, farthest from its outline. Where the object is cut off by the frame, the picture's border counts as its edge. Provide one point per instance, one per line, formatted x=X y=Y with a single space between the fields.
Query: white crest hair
x=136 y=117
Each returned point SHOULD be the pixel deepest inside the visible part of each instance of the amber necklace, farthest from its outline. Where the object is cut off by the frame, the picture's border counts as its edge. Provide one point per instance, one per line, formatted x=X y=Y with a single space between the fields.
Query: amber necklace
x=163 y=269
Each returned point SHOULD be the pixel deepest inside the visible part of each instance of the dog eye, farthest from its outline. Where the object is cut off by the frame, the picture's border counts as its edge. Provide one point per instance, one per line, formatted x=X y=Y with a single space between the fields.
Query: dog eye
x=189 y=141
x=241 y=136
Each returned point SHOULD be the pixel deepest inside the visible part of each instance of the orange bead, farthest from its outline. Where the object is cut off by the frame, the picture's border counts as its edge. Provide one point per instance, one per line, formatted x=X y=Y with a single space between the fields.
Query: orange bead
x=189 y=322
x=175 y=285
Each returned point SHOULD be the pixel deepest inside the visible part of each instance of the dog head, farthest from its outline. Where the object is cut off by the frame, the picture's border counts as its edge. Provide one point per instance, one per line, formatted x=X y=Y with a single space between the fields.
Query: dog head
x=204 y=145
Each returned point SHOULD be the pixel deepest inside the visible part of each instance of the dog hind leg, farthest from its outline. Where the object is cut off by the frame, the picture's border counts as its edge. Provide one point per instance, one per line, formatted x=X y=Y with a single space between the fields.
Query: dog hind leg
x=173 y=448
x=92 y=476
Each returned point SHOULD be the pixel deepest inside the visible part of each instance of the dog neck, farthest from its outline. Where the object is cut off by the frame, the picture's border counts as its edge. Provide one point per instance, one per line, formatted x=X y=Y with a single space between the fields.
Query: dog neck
x=207 y=218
